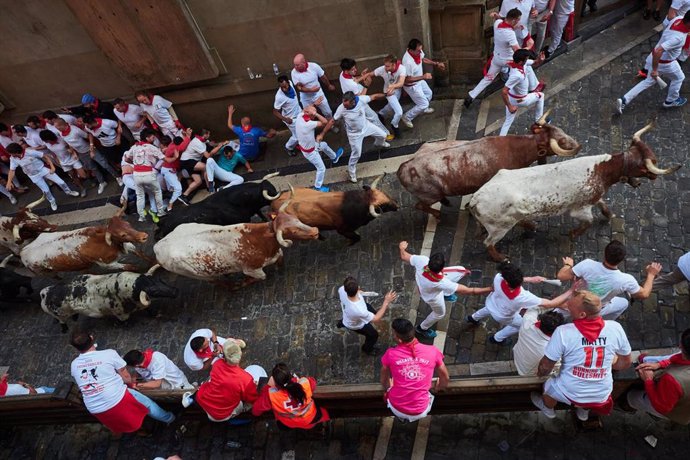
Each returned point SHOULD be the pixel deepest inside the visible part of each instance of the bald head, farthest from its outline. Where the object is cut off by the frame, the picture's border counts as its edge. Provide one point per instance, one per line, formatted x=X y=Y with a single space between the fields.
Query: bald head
x=310 y=111
x=300 y=62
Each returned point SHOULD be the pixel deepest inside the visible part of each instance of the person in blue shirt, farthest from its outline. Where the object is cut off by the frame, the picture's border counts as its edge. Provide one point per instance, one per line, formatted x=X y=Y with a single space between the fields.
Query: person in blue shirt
x=222 y=167
x=248 y=135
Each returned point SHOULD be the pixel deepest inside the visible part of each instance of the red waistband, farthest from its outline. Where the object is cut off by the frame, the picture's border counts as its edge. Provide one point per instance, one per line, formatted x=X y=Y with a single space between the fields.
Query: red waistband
x=664 y=61
x=142 y=168
x=516 y=97
x=306 y=150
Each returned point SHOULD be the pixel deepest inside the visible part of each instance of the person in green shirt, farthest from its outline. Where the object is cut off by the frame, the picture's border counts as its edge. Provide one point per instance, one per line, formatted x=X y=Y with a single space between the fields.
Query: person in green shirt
x=222 y=168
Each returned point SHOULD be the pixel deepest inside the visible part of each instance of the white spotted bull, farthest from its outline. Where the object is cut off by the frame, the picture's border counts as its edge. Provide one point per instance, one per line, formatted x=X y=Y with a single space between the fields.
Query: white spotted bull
x=17 y=231
x=572 y=186
x=96 y=296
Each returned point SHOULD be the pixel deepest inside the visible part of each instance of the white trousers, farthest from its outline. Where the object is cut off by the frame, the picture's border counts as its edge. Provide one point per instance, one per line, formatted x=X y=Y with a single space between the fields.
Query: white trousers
x=538 y=28
x=374 y=119
x=147 y=183
x=314 y=157
x=128 y=184
x=671 y=70
x=421 y=95
x=412 y=418
x=292 y=142
x=356 y=141
x=498 y=65
x=614 y=308
x=556 y=28
x=40 y=181
x=536 y=99
x=310 y=98
x=511 y=325
x=393 y=107
x=173 y=183
x=213 y=171
x=438 y=309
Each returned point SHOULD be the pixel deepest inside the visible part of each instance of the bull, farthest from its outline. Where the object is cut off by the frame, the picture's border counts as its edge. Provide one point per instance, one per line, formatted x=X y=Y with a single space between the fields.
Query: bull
x=209 y=252
x=24 y=226
x=343 y=212
x=83 y=248
x=98 y=296
x=450 y=168
x=572 y=186
x=11 y=282
x=232 y=205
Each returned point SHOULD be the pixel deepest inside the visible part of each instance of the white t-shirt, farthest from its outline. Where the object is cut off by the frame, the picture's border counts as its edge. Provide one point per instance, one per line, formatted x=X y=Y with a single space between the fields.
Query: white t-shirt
x=131 y=117
x=518 y=83
x=288 y=106
x=564 y=7
x=355 y=314
x=106 y=133
x=503 y=308
x=531 y=343
x=681 y=6
x=504 y=40
x=77 y=139
x=671 y=41
x=541 y=5
x=684 y=264
x=158 y=110
x=525 y=7
x=5 y=140
x=349 y=84
x=305 y=129
x=356 y=117
x=31 y=163
x=604 y=282
x=431 y=292
x=33 y=137
x=309 y=78
x=61 y=151
x=190 y=358
x=195 y=150
x=162 y=368
x=412 y=69
x=585 y=375
x=96 y=375
x=388 y=77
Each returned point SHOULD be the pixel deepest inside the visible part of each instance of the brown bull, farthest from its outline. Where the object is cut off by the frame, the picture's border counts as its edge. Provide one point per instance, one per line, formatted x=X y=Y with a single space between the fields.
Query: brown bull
x=344 y=212
x=24 y=226
x=451 y=168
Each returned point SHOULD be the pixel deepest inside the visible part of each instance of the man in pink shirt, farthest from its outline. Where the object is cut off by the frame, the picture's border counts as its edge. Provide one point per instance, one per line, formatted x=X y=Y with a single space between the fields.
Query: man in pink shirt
x=406 y=373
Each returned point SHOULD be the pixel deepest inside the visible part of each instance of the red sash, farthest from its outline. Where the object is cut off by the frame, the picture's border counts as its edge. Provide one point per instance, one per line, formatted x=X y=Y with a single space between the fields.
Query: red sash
x=127 y=415
x=602 y=408
x=303 y=150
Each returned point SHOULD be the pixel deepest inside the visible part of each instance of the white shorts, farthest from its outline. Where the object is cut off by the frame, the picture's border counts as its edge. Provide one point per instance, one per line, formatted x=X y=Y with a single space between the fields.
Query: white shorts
x=67 y=167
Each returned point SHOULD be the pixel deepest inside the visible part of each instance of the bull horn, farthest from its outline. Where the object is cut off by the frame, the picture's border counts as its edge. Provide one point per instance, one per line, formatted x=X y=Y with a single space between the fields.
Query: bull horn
x=153 y=269
x=372 y=211
x=36 y=203
x=376 y=181
x=553 y=143
x=122 y=210
x=109 y=238
x=15 y=232
x=144 y=299
x=542 y=120
x=269 y=197
x=652 y=168
x=271 y=175
x=284 y=243
x=285 y=205
x=3 y=264
x=638 y=135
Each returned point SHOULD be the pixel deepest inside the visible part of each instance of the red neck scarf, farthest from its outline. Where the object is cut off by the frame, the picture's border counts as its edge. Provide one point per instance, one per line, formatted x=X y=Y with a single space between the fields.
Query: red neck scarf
x=126 y=108
x=66 y=131
x=679 y=26
x=409 y=345
x=148 y=355
x=519 y=67
x=590 y=328
x=205 y=353
x=432 y=276
x=347 y=75
x=397 y=66
x=306 y=66
x=508 y=291
x=201 y=138
x=504 y=25
x=306 y=117
x=99 y=122
x=246 y=128
x=417 y=57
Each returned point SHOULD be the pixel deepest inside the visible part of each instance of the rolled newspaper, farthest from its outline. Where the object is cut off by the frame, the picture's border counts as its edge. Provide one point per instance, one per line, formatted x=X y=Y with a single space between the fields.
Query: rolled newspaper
x=370 y=294
x=662 y=84
x=553 y=282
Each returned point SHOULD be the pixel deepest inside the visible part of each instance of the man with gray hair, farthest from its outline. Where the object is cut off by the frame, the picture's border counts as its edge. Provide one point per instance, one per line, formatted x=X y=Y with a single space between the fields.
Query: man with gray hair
x=353 y=111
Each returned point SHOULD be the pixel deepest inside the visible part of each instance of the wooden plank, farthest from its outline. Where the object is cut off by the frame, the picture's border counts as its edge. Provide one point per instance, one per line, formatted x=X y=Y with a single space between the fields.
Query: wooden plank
x=421 y=439
x=384 y=437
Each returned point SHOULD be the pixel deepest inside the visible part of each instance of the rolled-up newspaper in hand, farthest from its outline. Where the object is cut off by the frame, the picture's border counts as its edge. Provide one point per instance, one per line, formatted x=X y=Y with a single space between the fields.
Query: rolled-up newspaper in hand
x=553 y=282
x=370 y=294
x=662 y=84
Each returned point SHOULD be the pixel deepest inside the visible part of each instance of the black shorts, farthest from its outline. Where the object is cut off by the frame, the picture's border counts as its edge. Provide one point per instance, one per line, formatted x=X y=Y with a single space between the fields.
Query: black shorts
x=188 y=165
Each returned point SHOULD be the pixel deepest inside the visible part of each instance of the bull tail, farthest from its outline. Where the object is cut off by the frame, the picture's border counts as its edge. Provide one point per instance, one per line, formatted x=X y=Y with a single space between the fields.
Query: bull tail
x=3 y=264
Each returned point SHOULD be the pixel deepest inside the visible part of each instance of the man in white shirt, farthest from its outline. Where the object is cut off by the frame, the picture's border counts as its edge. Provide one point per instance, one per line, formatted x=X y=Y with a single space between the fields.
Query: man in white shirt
x=66 y=156
x=102 y=378
x=160 y=113
x=359 y=316
x=662 y=61
x=528 y=10
x=505 y=43
x=7 y=138
x=131 y=115
x=393 y=73
x=350 y=80
x=437 y=285
x=143 y=157
x=157 y=371
x=520 y=89
x=109 y=134
x=562 y=10
x=39 y=168
x=539 y=23
x=589 y=349
x=311 y=145
x=28 y=136
x=536 y=329
x=286 y=108
x=678 y=275
x=193 y=160
x=607 y=281
x=415 y=81
x=353 y=111
x=202 y=349
x=508 y=299
x=306 y=76
x=20 y=388
x=678 y=8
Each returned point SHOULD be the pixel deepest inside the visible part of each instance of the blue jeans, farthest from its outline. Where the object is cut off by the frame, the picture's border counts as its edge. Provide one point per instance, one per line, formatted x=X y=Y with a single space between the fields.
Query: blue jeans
x=155 y=411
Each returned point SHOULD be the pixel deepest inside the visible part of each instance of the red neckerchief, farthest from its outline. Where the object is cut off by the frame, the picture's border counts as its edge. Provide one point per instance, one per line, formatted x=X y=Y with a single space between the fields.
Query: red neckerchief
x=99 y=122
x=679 y=26
x=538 y=326
x=521 y=68
x=306 y=66
x=306 y=117
x=397 y=66
x=141 y=143
x=505 y=25
x=432 y=276
x=347 y=75
x=126 y=109
x=148 y=356
x=66 y=131
x=508 y=291
x=246 y=128
x=409 y=345
x=417 y=58
x=205 y=353
x=590 y=328
x=201 y=138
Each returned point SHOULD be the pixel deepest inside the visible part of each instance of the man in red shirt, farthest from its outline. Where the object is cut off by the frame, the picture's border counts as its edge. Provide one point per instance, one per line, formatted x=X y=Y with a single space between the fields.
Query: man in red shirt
x=666 y=393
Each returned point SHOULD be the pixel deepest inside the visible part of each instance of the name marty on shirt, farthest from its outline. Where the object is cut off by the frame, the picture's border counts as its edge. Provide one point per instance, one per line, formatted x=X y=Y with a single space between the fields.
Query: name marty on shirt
x=599 y=341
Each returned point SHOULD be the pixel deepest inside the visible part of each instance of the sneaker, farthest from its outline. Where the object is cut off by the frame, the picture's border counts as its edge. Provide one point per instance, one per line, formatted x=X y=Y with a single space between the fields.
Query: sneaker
x=183 y=199
x=13 y=200
x=338 y=154
x=396 y=131
x=450 y=298
x=539 y=402
x=657 y=15
x=162 y=213
x=620 y=105
x=211 y=187
x=102 y=186
x=353 y=179
x=322 y=189
x=468 y=101
x=492 y=339
x=429 y=110
x=582 y=414
x=407 y=122
x=72 y=193
x=472 y=321
x=385 y=145
x=53 y=206
x=154 y=217
x=142 y=218
x=119 y=181
x=187 y=399
x=429 y=333
x=390 y=137
x=83 y=193
x=291 y=152
x=681 y=101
